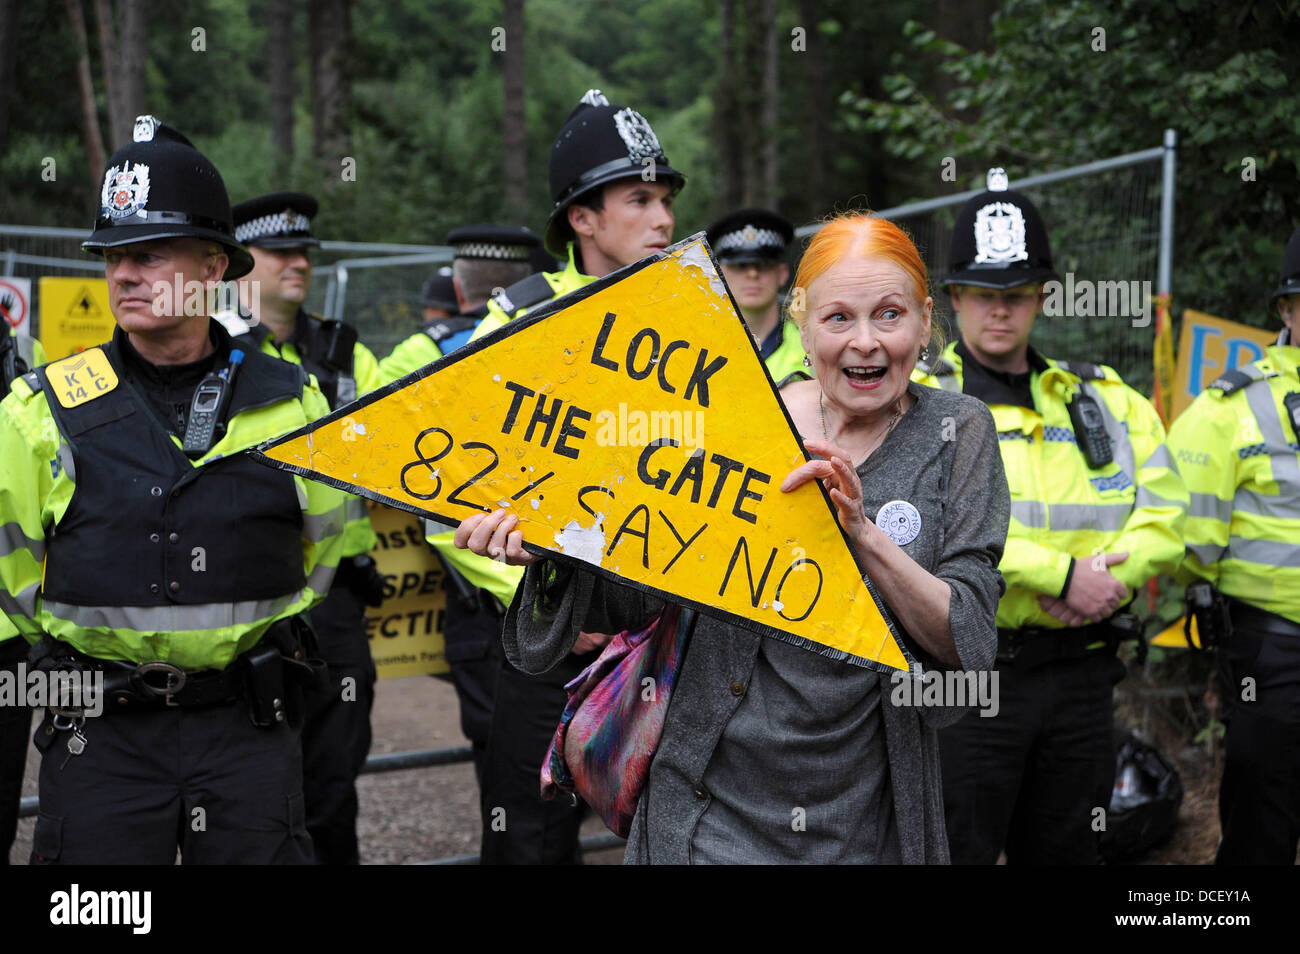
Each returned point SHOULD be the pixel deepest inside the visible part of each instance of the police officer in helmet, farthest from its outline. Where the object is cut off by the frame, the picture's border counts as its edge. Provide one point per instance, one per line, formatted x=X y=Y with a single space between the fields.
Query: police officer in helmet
x=1236 y=447
x=157 y=556
x=613 y=189
x=1096 y=510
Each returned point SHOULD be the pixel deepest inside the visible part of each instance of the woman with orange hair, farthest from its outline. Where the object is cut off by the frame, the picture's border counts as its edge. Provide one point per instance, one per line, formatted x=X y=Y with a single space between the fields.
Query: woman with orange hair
x=771 y=753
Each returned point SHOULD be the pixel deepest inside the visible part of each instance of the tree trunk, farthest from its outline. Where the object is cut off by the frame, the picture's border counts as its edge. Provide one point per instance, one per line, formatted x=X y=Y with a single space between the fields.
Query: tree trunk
x=280 y=56
x=514 y=124
x=329 y=35
x=131 y=53
x=89 y=119
x=816 y=131
x=8 y=61
x=725 y=113
x=110 y=64
x=771 y=108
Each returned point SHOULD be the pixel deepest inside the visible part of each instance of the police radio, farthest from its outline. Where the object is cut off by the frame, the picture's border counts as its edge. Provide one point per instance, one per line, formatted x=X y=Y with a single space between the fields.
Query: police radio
x=208 y=407
x=1090 y=430
x=1292 y=402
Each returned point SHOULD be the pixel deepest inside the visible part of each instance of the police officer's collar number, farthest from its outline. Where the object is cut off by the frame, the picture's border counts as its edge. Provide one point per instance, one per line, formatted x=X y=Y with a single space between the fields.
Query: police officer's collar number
x=81 y=377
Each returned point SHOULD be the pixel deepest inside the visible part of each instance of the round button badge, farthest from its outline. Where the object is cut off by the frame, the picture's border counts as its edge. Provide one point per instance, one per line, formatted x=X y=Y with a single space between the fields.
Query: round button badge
x=900 y=521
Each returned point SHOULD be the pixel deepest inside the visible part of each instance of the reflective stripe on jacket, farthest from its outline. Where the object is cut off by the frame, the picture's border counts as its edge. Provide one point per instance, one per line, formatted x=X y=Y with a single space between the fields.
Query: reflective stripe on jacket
x=1061 y=509
x=1238 y=450
x=38 y=482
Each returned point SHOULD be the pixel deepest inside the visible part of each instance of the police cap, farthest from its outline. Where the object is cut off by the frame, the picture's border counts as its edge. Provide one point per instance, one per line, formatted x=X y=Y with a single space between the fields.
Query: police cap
x=440 y=292
x=1289 y=282
x=159 y=186
x=600 y=143
x=750 y=235
x=999 y=240
x=277 y=220
x=493 y=242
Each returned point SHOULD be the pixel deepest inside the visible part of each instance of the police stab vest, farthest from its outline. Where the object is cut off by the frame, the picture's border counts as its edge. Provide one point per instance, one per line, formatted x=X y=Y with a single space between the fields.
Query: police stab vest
x=145 y=527
x=326 y=348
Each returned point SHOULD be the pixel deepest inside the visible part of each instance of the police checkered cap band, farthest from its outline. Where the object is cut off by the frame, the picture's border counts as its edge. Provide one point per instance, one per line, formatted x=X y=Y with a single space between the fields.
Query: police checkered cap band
x=287 y=222
x=514 y=253
x=750 y=237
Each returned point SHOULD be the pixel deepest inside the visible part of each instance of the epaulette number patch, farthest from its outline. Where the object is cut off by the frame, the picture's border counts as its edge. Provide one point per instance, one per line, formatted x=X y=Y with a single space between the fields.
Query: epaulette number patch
x=82 y=377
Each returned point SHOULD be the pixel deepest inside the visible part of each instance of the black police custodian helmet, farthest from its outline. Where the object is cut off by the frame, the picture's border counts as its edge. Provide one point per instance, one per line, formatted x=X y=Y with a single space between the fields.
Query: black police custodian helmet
x=277 y=220
x=999 y=240
x=750 y=235
x=160 y=186
x=600 y=143
x=440 y=292
x=1289 y=282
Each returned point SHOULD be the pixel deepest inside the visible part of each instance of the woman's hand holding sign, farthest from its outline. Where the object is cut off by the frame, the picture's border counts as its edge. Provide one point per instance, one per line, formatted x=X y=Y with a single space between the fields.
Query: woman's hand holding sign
x=494 y=535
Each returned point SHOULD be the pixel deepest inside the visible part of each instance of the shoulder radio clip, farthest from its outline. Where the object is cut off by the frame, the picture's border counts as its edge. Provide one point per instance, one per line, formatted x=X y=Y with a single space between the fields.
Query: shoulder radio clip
x=1090 y=430
x=208 y=407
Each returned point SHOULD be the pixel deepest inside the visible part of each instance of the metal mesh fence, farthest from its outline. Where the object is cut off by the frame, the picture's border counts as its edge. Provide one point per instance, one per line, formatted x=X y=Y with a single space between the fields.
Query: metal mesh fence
x=1104 y=228
x=380 y=298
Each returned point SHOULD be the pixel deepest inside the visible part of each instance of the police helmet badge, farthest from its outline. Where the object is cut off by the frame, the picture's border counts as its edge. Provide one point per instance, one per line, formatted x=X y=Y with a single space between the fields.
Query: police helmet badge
x=1000 y=234
x=997 y=180
x=750 y=235
x=145 y=126
x=126 y=190
x=636 y=134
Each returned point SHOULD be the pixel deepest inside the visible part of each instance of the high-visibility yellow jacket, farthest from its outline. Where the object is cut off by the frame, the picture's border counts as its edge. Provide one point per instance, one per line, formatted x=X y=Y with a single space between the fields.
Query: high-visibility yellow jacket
x=40 y=467
x=1239 y=452
x=358 y=536
x=787 y=359
x=1061 y=509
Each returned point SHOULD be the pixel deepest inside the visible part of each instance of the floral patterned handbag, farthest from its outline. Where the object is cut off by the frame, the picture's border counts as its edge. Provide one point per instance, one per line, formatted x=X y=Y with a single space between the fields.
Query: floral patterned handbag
x=611 y=726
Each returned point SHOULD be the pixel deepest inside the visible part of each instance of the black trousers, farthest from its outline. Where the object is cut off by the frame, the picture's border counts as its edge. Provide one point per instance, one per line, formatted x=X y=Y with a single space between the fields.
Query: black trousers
x=519 y=827
x=1259 y=799
x=15 y=734
x=472 y=638
x=336 y=731
x=1030 y=779
x=205 y=780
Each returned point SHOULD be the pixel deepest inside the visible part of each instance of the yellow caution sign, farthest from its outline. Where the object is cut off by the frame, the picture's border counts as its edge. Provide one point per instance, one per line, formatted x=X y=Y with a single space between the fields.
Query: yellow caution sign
x=1209 y=346
x=75 y=315
x=632 y=427
x=1172 y=636
x=405 y=633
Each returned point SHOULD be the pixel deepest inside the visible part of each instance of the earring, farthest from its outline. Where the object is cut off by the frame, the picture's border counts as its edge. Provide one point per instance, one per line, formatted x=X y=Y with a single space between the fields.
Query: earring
x=925 y=354
x=806 y=362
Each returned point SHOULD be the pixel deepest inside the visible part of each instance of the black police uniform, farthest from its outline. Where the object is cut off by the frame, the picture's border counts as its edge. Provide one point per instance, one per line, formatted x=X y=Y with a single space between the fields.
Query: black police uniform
x=174 y=761
x=599 y=143
x=1028 y=778
x=336 y=736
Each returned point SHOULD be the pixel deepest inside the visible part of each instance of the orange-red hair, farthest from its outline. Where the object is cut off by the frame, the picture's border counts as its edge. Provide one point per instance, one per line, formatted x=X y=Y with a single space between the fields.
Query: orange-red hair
x=861 y=236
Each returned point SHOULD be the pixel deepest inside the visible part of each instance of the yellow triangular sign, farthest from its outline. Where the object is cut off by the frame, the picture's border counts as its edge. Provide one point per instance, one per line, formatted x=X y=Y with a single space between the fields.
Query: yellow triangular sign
x=632 y=426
